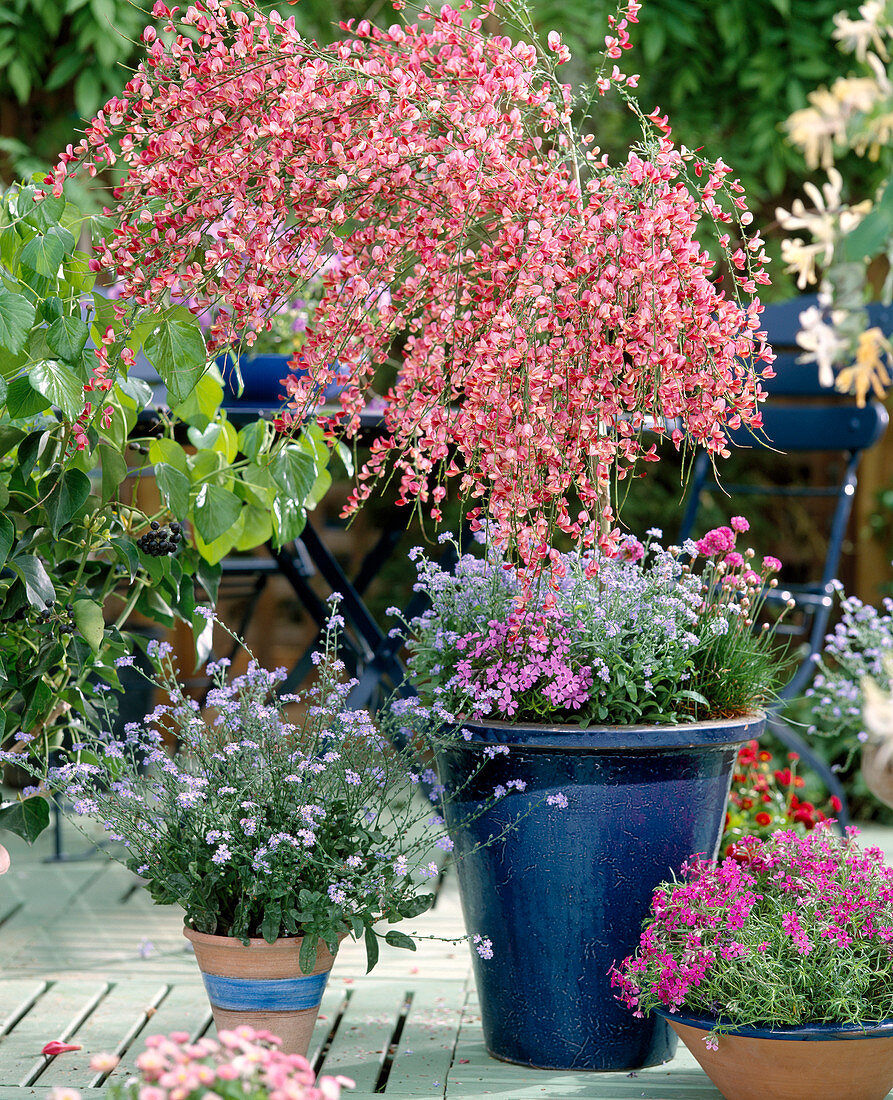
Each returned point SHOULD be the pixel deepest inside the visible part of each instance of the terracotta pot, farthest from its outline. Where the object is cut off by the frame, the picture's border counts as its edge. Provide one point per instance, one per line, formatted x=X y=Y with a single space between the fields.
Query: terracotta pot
x=262 y=985
x=818 y=1062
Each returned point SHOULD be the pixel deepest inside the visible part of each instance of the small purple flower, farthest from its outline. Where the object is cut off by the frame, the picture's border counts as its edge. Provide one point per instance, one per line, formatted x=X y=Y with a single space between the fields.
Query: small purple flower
x=483 y=945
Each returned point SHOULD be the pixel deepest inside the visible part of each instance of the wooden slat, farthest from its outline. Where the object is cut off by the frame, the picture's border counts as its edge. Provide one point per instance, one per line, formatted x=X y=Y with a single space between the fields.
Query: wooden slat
x=56 y=1015
x=365 y=1031
x=16 y=996
x=184 y=1008
x=109 y=1029
x=330 y=1009
x=428 y=1040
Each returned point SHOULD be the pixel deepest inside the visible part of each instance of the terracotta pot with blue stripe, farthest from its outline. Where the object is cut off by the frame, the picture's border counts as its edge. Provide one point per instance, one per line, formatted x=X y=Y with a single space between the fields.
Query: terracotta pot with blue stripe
x=605 y=815
x=262 y=985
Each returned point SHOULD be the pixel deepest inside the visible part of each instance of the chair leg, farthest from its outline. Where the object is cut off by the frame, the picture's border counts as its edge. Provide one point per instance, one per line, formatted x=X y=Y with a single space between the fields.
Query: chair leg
x=793 y=741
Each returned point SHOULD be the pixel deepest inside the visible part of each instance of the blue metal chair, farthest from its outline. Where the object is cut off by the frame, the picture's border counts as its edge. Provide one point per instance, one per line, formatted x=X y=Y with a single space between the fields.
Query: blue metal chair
x=801 y=417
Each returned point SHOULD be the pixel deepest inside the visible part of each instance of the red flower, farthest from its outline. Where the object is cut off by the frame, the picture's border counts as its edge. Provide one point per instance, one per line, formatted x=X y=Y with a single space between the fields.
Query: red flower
x=763 y=818
x=836 y=804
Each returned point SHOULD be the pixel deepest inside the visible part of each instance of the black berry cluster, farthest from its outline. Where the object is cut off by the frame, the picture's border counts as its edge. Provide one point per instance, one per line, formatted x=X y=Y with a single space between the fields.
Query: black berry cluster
x=159 y=541
x=54 y=616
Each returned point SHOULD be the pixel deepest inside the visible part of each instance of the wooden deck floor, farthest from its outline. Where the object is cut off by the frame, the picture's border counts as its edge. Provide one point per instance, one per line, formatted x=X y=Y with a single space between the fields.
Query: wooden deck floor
x=85 y=956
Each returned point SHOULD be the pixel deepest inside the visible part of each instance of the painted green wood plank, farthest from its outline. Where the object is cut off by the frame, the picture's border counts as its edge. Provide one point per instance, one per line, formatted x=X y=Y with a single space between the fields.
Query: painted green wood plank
x=331 y=1007
x=365 y=1031
x=17 y=995
x=56 y=1015
x=429 y=1036
x=184 y=1008
x=109 y=1028
x=19 y=1094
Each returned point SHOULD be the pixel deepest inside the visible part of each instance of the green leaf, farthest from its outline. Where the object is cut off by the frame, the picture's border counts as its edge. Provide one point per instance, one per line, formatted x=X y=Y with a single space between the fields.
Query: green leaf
x=127 y=554
x=216 y=511
x=137 y=389
x=114 y=470
x=16 y=318
x=216 y=551
x=60 y=385
x=319 y=489
x=66 y=498
x=869 y=237
x=251 y=439
x=219 y=436
x=7 y=535
x=202 y=404
x=3 y=390
x=44 y=254
x=307 y=957
x=19 y=79
x=174 y=488
x=208 y=574
x=170 y=452
x=9 y=437
x=23 y=400
x=257 y=528
x=40 y=702
x=67 y=337
x=26 y=819
x=38 y=586
x=272 y=922
x=289 y=520
x=294 y=471
x=371 y=948
x=400 y=939
x=177 y=351
x=203 y=637
x=88 y=619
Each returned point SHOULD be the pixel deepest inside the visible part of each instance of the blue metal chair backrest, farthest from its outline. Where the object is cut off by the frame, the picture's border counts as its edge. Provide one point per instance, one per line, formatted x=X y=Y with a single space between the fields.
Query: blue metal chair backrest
x=800 y=416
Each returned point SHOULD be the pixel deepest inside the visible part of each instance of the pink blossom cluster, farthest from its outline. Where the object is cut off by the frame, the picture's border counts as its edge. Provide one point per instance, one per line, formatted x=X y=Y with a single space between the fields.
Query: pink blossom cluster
x=174 y=1068
x=785 y=906
x=529 y=651
x=547 y=305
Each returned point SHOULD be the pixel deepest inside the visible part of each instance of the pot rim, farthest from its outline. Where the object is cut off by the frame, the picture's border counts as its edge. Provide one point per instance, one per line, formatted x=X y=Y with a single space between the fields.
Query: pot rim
x=809 y=1032
x=750 y=718
x=711 y=734
x=255 y=944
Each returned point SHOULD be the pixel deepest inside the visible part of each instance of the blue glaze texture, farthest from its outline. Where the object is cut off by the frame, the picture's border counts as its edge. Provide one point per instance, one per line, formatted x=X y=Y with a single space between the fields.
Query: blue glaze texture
x=564 y=894
x=804 y=1033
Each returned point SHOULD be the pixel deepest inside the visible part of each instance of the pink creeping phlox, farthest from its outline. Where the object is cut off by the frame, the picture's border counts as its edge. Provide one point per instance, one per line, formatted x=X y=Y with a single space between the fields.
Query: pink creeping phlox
x=550 y=304
x=789 y=929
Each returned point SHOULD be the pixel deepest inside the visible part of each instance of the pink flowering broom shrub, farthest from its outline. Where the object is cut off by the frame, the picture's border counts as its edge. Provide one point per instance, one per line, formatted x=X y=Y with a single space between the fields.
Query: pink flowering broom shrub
x=790 y=930
x=541 y=304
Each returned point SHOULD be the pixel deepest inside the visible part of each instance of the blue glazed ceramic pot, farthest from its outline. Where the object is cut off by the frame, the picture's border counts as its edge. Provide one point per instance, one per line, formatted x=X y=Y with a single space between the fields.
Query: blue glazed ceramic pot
x=262 y=379
x=564 y=894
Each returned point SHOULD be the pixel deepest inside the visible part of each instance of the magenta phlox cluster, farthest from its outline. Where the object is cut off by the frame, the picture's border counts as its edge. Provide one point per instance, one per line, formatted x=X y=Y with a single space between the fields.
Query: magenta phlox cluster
x=765 y=934
x=469 y=217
